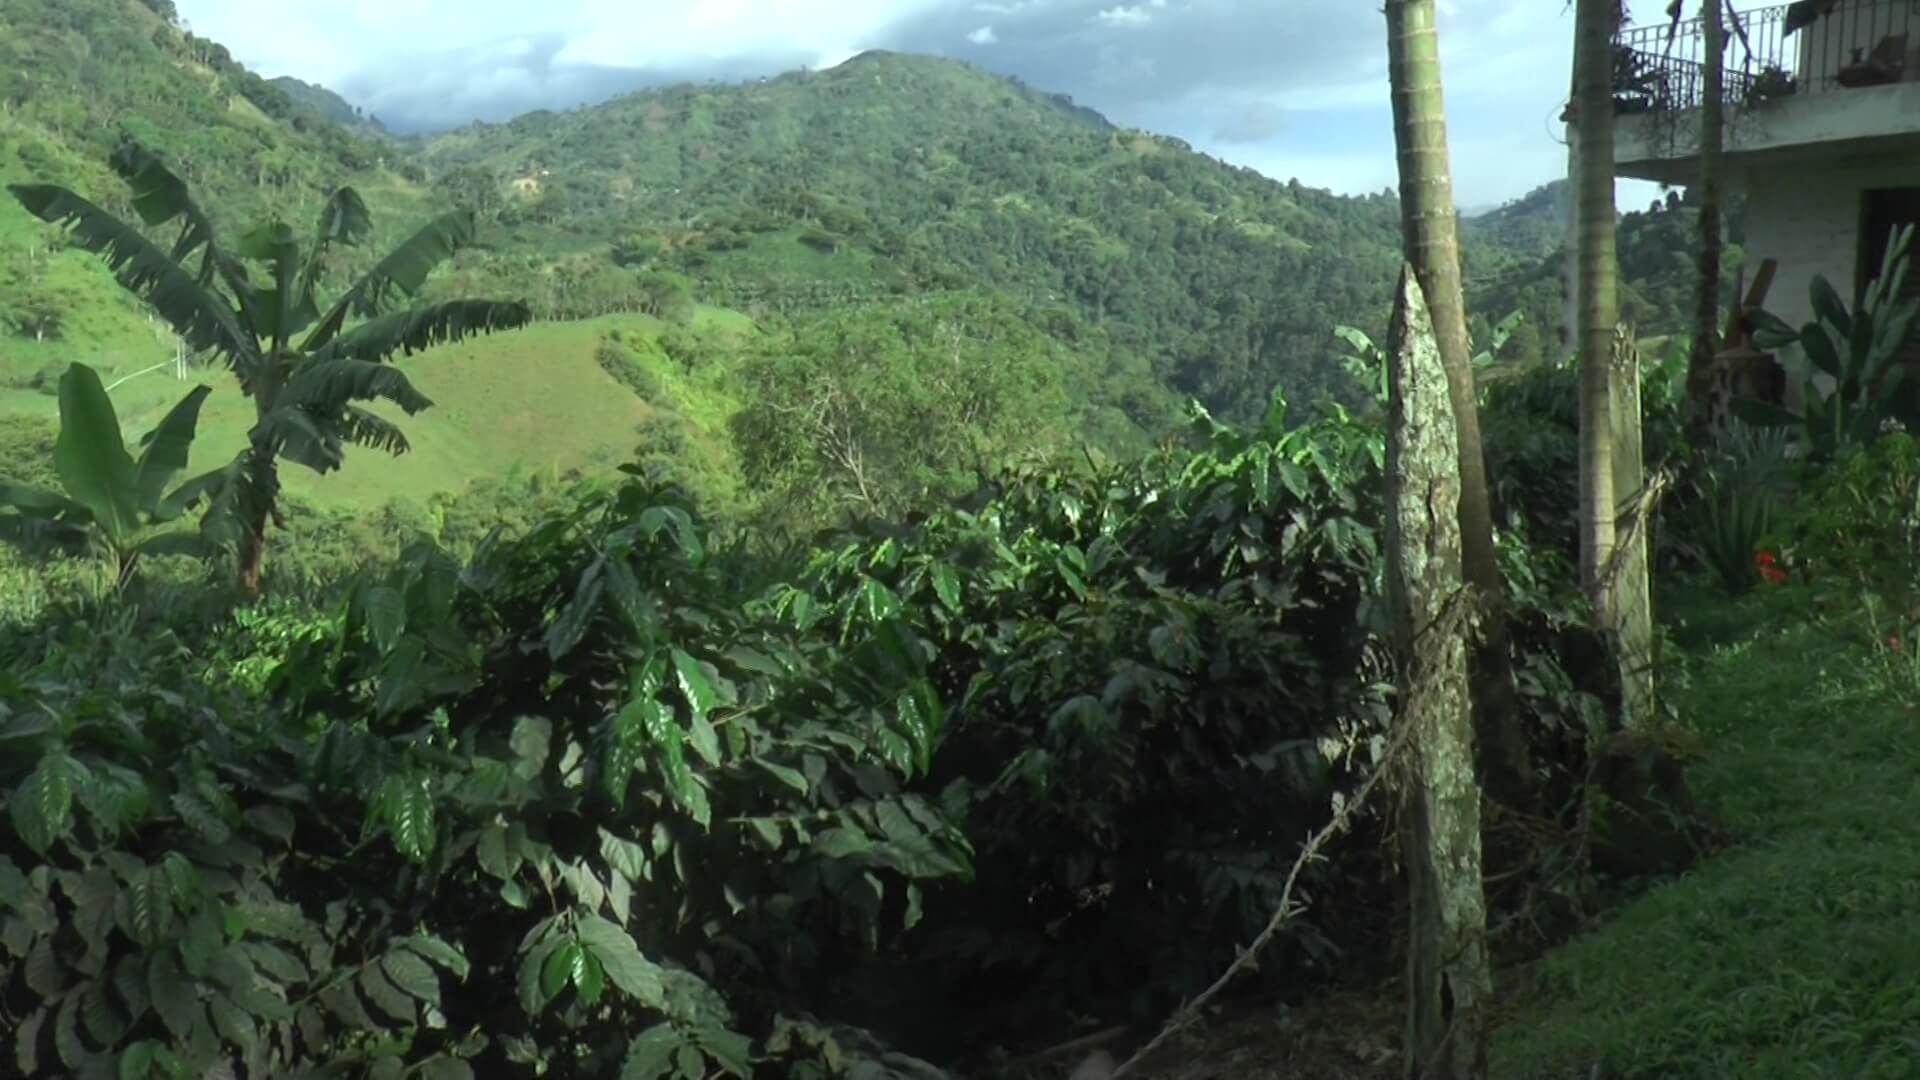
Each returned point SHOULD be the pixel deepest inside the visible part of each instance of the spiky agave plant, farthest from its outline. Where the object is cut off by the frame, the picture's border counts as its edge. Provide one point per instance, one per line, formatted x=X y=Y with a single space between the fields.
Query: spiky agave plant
x=306 y=393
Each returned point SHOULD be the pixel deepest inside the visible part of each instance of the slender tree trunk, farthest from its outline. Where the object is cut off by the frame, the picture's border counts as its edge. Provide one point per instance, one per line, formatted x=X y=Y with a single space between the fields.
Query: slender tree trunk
x=1706 y=298
x=1449 y=983
x=1598 y=304
x=1632 y=592
x=1429 y=226
x=259 y=499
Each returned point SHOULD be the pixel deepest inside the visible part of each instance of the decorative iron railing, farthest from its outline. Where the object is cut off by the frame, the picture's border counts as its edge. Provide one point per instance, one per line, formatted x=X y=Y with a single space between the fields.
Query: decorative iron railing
x=1811 y=46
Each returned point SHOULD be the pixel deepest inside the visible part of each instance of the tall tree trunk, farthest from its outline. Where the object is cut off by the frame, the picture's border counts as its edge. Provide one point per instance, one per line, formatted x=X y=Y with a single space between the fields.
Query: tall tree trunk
x=1706 y=297
x=1632 y=602
x=1598 y=305
x=1429 y=226
x=1449 y=983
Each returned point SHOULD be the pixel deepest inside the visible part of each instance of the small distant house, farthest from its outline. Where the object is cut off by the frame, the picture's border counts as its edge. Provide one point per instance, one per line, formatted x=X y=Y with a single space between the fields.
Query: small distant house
x=1822 y=133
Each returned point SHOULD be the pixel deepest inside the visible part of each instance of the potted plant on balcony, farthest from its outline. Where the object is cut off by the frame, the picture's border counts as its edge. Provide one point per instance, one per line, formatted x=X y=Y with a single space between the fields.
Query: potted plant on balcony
x=1771 y=83
x=1635 y=86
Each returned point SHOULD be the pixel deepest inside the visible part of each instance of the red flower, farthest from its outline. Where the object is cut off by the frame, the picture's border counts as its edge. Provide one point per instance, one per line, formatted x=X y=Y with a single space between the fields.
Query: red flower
x=1769 y=567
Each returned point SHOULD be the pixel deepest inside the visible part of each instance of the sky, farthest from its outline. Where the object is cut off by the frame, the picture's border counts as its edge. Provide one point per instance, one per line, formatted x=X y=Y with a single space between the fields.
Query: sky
x=1293 y=88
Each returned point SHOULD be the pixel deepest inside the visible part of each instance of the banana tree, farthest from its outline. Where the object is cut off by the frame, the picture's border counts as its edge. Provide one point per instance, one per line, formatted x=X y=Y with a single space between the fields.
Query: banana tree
x=306 y=392
x=114 y=502
x=1858 y=350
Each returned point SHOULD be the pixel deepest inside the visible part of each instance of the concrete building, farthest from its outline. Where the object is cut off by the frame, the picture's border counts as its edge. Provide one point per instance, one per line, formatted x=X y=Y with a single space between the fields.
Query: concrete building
x=1822 y=135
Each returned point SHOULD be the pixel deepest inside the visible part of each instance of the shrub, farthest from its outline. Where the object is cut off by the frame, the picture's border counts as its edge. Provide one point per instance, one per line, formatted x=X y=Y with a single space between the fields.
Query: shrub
x=467 y=834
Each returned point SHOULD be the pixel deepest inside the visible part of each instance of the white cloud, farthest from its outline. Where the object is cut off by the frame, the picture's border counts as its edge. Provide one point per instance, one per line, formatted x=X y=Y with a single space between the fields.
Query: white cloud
x=1191 y=69
x=1125 y=16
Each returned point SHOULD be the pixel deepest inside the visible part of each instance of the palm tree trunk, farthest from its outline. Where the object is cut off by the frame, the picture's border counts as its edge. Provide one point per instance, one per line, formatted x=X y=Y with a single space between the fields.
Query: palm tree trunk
x=1598 y=303
x=1706 y=297
x=1429 y=225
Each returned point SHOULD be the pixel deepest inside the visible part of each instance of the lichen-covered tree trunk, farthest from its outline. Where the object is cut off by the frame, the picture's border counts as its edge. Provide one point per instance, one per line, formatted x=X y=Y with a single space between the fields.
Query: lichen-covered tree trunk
x=1430 y=231
x=1632 y=594
x=1598 y=305
x=1706 y=299
x=1449 y=985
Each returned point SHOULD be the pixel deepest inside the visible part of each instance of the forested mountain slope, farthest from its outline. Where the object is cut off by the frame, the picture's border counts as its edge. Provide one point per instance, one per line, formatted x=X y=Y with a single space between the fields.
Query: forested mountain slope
x=896 y=173
x=889 y=200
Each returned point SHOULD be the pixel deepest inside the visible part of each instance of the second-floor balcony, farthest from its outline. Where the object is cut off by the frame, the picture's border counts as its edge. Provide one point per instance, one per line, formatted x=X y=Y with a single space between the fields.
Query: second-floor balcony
x=1803 y=48
x=1808 y=80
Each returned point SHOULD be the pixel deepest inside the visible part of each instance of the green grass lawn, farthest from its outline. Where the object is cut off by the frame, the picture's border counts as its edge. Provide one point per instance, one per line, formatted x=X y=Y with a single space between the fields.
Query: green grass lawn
x=1795 y=953
x=528 y=400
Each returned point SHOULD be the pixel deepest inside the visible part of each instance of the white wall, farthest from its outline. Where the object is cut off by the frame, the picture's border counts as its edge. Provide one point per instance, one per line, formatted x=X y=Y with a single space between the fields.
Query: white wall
x=1807 y=218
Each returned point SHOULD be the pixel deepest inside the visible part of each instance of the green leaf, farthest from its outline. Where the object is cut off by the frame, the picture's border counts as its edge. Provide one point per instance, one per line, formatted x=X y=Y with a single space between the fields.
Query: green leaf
x=560 y=968
x=787 y=775
x=1820 y=350
x=439 y=952
x=386 y=996
x=403 y=271
x=36 y=502
x=166 y=449
x=624 y=856
x=531 y=743
x=574 y=618
x=693 y=683
x=655 y=518
x=421 y=328
x=195 y=312
x=323 y=385
x=839 y=843
x=385 y=610
x=589 y=978
x=642 y=615
x=274 y=821
x=137 y=1060
x=446 y=1068
x=91 y=458
x=637 y=977
x=207 y=486
x=407 y=802
x=920 y=722
x=174 y=998
x=946 y=583
x=876 y=601
x=731 y=1049
x=233 y=1023
x=411 y=974
x=42 y=805
x=650 y=1054
x=531 y=978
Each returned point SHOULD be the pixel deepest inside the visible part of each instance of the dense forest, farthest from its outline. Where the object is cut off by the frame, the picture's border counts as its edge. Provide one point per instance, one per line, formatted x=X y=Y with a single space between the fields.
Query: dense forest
x=643 y=591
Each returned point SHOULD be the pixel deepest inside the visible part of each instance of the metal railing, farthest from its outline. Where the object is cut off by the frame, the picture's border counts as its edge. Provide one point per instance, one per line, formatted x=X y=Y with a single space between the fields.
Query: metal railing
x=1857 y=43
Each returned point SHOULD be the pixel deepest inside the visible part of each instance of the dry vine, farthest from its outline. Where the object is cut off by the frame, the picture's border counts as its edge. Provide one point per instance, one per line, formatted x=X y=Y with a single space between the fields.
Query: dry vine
x=1455 y=618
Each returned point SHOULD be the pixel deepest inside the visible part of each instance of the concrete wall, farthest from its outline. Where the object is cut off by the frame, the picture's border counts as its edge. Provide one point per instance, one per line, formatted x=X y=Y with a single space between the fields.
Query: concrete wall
x=1807 y=217
x=1664 y=147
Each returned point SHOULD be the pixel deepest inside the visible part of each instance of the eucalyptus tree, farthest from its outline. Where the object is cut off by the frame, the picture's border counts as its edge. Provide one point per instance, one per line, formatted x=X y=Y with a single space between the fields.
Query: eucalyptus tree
x=306 y=369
